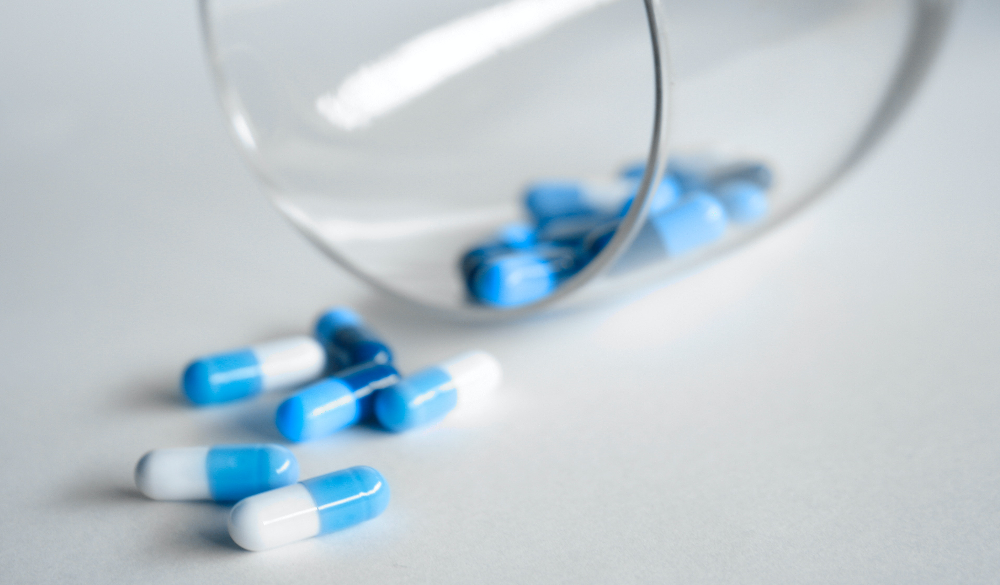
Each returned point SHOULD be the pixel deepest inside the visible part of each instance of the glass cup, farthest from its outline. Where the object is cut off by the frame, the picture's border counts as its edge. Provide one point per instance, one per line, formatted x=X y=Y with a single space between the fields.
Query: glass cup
x=485 y=159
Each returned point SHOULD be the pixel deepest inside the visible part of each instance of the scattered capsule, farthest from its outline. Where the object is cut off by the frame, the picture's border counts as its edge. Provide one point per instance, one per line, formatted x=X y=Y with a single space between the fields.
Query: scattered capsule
x=332 y=404
x=309 y=508
x=348 y=340
x=745 y=201
x=546 y=200
x=274 y=365
x=224 y=473
x=698 y=220
x=518 y=277
x=427 y=396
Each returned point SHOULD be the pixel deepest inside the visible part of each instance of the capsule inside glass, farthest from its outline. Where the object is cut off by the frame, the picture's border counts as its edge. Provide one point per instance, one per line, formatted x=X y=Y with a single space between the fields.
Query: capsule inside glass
x=399 y=136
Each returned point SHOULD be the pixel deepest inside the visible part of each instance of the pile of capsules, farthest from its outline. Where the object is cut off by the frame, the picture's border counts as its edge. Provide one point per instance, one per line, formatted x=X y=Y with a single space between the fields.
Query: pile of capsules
x=570 y=222
x=356 y=382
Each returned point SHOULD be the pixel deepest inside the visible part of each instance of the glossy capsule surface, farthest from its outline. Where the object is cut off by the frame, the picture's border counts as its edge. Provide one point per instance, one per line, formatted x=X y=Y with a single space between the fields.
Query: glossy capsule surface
x=224 y=473
x=429 y=395
x=312 y=507
x=274 y=365
x=348 y=340
x=334 y=403
x=517 y=277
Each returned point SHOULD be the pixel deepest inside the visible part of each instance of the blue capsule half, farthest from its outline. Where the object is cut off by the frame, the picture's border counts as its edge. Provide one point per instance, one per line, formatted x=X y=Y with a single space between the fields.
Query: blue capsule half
x=514 y=236
x=348 y=340
x=545 y=200
x=699 y=220
x=519 y=277
x=332 y=404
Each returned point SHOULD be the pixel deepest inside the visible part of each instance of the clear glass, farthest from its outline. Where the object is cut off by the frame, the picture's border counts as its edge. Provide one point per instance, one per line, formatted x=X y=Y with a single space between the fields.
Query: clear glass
x=397 y=135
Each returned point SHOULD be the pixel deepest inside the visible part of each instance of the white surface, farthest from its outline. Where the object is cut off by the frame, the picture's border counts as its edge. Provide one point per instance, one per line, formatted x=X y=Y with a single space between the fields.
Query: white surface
x=274 y=518
x=174 y=474
x=289 y=362
x=821 y=407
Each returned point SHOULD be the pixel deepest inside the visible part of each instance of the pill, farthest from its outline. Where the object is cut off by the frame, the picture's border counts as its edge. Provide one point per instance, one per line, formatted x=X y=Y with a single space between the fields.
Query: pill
x=309 y=508
x=274 y=365
x=518 y=277
x=349 y=340
x=427 y=396
x=696 y=221
x=545 y=200
x=334 y=403
x=511 y=237
x=224 y=473
x=666 y=195
x=745 y=201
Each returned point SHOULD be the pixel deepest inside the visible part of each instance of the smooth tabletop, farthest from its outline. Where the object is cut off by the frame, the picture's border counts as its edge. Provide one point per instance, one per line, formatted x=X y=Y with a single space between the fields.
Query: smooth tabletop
x=822 y=406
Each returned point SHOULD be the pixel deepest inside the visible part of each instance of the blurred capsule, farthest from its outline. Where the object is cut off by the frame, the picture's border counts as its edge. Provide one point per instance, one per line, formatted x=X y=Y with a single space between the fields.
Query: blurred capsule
x=547 y=200
x=274 y=365
x=518 y=277
x=224 y=473
x=745 y=201
x=698 y=220
x=427 y=396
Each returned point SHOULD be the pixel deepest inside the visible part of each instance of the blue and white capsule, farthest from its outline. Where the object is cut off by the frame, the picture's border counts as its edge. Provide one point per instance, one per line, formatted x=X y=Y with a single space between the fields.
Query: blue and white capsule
x=224 y=473
x=312 y=507
x=518 y=277
x=332 y=404
x=348 y=340
x=275 y=365
x=513 y=236
x=429 y=395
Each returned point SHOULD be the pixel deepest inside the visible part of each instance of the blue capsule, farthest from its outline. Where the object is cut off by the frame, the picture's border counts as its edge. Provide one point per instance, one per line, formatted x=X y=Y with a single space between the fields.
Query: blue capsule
x=667 y=194
x=518 y=277
x=427 y=396
x=348 y=340
x=514 y=236
x=332 y=404
x=745 y=201
x=547 y=200
x=698 y=220
x=274 y=365
x=315 y=506
x=224 y=473
x=570 y=230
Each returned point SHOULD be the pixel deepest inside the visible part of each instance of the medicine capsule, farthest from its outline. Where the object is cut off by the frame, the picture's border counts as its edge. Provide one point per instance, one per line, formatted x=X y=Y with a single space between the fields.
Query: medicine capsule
x=513 y=236
x=518 y=277
x=309 y=508
x=745 y=201
x=224 y=473
x=546 y=200
x=349 y=340
x=571 y=229
x=667 y=194
x=698 y=220
x=427 y=396
x=274 y=365
x=332 y=404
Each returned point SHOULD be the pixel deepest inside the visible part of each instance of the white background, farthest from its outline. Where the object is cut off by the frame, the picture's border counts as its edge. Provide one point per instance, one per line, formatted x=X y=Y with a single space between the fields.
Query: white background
x=820 y=407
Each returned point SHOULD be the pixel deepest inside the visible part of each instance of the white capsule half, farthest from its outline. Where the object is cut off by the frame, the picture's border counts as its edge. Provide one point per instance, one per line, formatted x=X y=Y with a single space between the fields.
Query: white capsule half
x=174 y=474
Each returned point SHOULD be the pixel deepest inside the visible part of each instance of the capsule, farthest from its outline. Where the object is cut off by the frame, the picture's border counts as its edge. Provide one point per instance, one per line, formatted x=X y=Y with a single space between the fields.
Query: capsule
x=514 y=236
x=700 y=219
x=309 y=508
x=518 y=277
x=546 y=200
x=571 y=229
x=745 y=201
x=427 y=396
x=224 y=473
x=667 y=194
x=349 y=341
x=332 y=404
x=274 y=365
